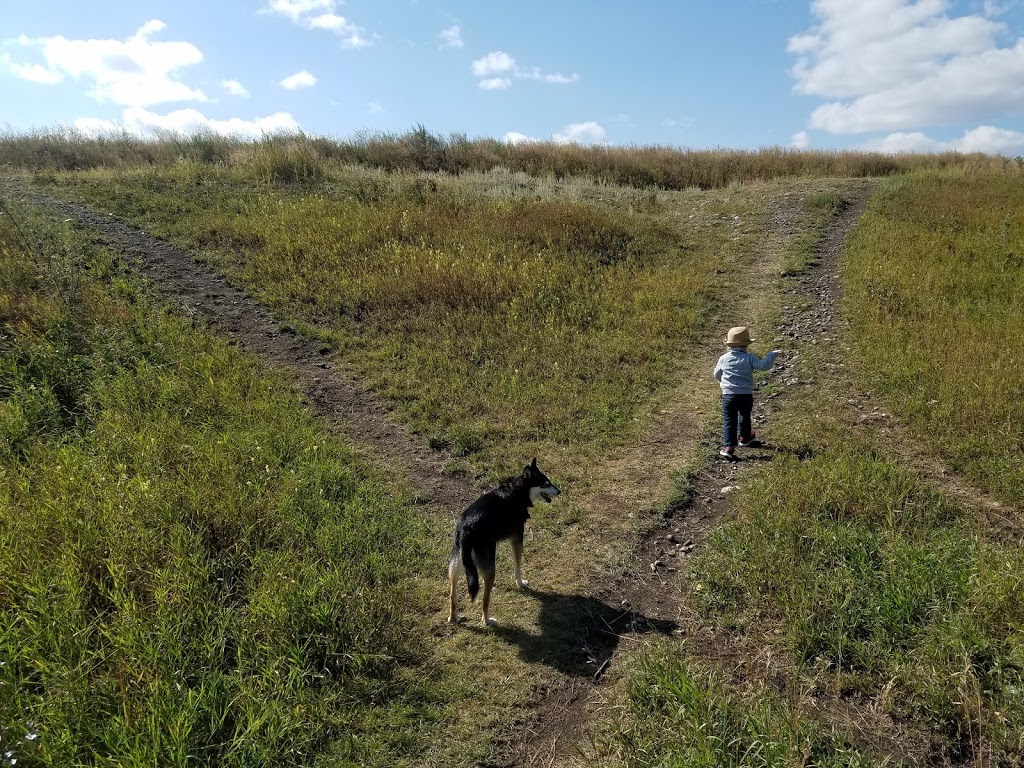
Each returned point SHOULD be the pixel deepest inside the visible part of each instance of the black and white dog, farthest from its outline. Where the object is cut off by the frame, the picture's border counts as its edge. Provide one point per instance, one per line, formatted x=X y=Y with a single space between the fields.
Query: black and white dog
x=498 y=515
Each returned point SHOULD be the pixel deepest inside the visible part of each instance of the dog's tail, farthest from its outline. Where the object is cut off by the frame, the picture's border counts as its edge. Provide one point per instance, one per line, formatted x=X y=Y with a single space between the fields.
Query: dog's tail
x=472 y=577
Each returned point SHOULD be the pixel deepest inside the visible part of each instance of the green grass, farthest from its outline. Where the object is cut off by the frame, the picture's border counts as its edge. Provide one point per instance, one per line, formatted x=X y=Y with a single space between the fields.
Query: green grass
x=192 y=571
x=879 y=581
x=490 y=319
x=677 y=715
x=934 y=280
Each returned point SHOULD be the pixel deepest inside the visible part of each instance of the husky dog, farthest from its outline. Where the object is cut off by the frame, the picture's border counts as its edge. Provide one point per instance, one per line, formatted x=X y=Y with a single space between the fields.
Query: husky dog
x=496 y=516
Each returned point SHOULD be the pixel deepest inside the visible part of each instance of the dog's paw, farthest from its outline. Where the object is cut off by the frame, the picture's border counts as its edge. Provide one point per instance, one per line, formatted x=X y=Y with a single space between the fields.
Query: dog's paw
x=489 y=621
x=523 y=583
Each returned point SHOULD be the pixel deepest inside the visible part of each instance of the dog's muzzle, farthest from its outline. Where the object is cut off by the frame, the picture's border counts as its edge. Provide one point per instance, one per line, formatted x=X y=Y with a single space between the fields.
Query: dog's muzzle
x=548 y=493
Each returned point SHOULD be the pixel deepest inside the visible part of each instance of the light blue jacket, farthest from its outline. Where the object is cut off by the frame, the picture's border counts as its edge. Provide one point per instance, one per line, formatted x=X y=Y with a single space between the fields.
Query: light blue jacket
x=735 y=370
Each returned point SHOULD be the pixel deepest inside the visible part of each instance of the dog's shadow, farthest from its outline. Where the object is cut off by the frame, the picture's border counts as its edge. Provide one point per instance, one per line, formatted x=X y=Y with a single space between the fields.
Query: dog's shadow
x=577 y=635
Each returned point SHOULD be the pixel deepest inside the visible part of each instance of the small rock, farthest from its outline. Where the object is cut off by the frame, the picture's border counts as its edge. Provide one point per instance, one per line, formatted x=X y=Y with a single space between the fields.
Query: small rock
x=729 y=489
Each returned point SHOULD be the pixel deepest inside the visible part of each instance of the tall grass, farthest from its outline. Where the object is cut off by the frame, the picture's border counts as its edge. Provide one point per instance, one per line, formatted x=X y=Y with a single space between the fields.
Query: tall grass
x=679 y=715
x=935 y=280
x=878 y=582
x=293 y=157
x=490 y=320
x=192 y=572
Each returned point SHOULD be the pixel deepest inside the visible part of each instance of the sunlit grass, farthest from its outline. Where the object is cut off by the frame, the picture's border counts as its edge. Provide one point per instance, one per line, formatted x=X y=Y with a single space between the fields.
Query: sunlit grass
x=679 y=715
x=878 y=582
x=192 y=571
x=518 y=320
x=935 y=280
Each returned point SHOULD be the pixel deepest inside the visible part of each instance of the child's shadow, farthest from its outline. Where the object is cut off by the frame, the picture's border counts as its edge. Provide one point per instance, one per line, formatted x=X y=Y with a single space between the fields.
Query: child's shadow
x=577 y=635
x=770 y=451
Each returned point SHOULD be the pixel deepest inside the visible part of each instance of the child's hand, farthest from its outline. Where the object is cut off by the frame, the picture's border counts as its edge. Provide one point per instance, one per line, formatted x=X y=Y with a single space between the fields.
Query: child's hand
x=776 y=352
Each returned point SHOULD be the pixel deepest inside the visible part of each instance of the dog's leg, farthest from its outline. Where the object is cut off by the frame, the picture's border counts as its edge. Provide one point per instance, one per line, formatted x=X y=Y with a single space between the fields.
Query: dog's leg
x=488 y=575
x=454 y=569
x=517 y=551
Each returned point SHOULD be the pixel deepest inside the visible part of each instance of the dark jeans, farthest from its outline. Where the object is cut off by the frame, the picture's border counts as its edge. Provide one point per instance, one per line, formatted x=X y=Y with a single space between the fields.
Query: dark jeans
x=736 y=408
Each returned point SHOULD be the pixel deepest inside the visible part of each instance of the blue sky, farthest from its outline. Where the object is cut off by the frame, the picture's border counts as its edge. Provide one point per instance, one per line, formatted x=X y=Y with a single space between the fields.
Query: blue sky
x=882 y=74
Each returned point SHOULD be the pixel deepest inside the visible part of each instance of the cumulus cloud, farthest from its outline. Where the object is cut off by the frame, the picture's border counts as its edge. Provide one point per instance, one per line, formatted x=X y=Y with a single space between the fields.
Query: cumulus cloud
x=985 y=138
x=137 y=71
x=451 y=37
x=588 y=132
x=494 y=63
x=34 y=72
x=234 y=87
x=581 y=133
x=501 y=63
x=800 y=140
x=301 y=79
x=495 y=83
x=513 y=137
x=141 y=122
x=320 y=14
x=895 y=64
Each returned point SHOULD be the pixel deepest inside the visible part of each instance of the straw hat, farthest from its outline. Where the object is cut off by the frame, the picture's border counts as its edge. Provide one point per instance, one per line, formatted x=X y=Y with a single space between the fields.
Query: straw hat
x=738 y=337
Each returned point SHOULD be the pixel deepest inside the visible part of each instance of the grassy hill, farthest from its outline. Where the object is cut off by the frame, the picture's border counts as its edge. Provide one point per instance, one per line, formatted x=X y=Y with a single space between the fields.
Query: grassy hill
x=197 y=569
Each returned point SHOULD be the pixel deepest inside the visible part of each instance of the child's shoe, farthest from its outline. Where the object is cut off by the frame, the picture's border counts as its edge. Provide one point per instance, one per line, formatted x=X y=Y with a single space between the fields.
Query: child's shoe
x=751 y=442
x=728 y=452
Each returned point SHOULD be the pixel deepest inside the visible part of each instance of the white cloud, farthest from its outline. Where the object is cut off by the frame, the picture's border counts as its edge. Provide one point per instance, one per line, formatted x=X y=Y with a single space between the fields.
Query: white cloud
x=494 y=63
x=375 y=107
x=234 y=87
x=985 y=138
x=559 y=79
x=495 y=84
x=991 y=8
x=320 y=14
x=581 y=133
x=132 y=72
x=301 y=79
x=141 y=122
x=893 y=64
x=501 y=63
x=33 y=72
x=297 y=9
x=800 y=140
x=450 y=37
x=512 y=137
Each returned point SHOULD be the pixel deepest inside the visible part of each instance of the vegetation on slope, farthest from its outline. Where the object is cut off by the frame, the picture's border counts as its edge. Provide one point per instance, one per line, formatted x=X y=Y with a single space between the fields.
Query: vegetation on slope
x=935 y=280
x=192 y=571
x=493 y=312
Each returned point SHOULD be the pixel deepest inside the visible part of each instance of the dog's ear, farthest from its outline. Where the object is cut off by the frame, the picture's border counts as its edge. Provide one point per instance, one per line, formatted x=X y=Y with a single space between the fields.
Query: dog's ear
x=533 y=464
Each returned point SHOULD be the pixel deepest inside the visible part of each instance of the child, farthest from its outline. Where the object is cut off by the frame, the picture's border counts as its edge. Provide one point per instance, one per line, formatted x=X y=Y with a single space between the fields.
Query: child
x=735 y=373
